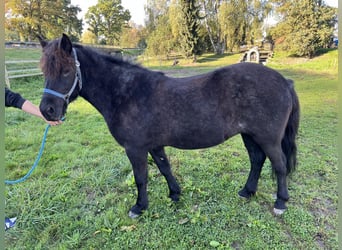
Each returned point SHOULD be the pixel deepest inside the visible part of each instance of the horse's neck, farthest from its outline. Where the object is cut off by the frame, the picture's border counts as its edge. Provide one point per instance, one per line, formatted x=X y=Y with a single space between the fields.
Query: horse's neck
x=93 y=86
x=103 y=89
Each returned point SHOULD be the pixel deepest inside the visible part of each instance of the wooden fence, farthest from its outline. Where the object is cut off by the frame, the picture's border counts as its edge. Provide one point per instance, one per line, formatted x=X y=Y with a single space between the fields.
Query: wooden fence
x=28 y=68
x=23 y=68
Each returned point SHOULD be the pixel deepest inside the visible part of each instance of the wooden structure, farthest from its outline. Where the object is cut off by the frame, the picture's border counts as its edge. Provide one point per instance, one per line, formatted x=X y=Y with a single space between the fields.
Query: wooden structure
x=19 y=69
x=257 y=54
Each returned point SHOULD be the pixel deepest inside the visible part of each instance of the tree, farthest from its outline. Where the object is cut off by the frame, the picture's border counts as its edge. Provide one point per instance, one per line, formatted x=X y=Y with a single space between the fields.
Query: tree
x=155 y=9
x=175 y=18
x=189 y=28
x=88 y=37
x=160 y=41
x=306 y=26
x=173 y=27
x=133 y=37
x=42 y=17
x=93 y=19
x=106 y=20
x=231 y=23
x=195 y=24
x=255 y=14
x=210 y=9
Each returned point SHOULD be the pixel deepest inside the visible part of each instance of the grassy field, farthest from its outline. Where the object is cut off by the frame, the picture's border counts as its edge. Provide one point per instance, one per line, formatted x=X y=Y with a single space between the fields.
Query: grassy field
x=79 y=195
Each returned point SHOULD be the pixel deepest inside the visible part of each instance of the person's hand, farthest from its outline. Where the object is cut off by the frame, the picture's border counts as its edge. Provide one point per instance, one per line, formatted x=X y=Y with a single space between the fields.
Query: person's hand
x=32 y=109
x=53 y=123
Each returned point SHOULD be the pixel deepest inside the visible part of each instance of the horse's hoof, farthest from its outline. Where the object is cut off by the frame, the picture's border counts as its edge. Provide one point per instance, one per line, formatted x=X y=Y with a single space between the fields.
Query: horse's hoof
x=278 y=211
x=174 y=197
x=242 y=196
x=245 y=194
x=133 y=215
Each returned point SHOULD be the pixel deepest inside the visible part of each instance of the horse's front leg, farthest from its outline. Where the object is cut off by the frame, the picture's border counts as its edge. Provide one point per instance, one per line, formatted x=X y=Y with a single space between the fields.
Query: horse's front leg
x=138 y=159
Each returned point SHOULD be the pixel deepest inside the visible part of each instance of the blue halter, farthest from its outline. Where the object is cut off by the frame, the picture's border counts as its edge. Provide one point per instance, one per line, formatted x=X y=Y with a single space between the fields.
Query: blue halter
x=78 y=79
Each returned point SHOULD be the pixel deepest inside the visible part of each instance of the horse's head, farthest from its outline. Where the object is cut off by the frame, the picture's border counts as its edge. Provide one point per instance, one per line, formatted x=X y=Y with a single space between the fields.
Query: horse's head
x=62 y=74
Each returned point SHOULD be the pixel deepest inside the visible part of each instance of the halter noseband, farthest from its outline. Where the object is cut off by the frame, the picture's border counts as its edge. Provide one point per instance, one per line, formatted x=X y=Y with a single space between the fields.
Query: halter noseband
x=78 y=78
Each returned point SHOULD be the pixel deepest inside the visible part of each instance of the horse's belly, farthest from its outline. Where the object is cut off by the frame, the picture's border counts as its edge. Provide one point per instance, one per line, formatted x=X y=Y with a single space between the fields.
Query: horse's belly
x=197 y=140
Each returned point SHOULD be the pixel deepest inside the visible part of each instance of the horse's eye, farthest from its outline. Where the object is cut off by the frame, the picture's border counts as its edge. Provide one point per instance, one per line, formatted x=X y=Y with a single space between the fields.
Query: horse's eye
x=66 y=73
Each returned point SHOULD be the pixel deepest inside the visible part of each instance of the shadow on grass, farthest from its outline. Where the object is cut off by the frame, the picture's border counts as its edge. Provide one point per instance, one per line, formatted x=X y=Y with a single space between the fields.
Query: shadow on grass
x=213 y=57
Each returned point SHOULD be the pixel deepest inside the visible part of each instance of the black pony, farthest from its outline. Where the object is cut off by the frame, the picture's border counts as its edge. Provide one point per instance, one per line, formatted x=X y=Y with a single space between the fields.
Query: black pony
x=146 y=111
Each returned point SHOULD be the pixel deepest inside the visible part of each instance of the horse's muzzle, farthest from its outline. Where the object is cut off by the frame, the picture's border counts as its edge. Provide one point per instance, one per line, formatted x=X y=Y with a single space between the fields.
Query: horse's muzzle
x=52 y=111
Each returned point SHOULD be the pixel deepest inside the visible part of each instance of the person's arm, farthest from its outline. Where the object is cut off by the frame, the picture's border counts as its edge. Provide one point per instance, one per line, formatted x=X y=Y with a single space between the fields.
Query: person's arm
x=30 y=108
x=13 y=99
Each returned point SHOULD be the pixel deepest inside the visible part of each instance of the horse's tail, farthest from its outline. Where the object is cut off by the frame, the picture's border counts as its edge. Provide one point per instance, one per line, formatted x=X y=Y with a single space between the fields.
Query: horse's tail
x=288 y=143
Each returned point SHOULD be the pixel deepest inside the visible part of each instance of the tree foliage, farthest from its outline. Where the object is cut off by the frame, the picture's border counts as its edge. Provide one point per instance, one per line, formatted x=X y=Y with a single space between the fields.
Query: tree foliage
x=88 y=37
x=189 y=28
x=210 y=11
x=106 y=20
x=186 y=27
x=154 y=9
x=231 y=23
x=173 y=27
x=133 y=37
x=306 y=26
x=160 y=41
x=27 y=19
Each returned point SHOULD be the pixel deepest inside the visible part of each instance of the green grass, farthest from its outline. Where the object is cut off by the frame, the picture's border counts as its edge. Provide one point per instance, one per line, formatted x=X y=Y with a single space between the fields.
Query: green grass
x=79 y=195
x=17 y=54
x=203 y=61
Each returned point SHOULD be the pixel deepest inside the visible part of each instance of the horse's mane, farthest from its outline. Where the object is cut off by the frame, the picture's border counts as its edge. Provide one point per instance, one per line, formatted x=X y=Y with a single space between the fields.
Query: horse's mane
x=91 y=52
x=53 y=59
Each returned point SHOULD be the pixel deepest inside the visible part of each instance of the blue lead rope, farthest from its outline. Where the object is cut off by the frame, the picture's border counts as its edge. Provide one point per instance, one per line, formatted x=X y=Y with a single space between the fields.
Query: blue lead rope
x=35 y=164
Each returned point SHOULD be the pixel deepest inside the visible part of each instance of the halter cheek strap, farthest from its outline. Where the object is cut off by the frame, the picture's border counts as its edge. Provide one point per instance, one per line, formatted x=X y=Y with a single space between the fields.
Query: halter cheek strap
x=78 y=79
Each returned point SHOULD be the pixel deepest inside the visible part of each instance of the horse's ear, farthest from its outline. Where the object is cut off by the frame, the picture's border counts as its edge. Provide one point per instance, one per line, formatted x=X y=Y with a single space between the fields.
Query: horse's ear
x=65 y=44
x=42 y=41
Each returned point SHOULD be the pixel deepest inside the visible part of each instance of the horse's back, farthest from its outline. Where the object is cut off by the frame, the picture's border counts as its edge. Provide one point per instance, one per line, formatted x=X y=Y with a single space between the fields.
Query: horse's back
x=205 y=110
x=228 y=91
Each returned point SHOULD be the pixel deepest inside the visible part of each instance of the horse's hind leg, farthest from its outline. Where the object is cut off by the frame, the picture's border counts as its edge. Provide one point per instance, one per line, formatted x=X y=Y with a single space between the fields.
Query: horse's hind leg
x=160 y=158
x=278 y=161
x=257 y=158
